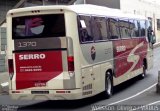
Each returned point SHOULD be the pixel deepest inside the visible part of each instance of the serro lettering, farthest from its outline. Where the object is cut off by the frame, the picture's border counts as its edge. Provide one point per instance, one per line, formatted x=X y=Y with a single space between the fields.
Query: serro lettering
x=32 y=56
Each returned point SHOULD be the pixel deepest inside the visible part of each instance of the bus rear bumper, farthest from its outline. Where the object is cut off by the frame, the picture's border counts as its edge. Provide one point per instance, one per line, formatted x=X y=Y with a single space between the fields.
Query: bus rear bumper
x=46 y=94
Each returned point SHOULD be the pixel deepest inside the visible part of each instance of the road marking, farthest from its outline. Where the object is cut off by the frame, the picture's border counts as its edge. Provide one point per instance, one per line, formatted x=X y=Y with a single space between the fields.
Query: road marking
x=145 y=106
x=141 y=92
x=154 y=103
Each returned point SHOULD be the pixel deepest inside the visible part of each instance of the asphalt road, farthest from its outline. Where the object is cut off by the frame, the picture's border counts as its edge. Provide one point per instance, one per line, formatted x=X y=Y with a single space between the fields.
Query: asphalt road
x=133 y=92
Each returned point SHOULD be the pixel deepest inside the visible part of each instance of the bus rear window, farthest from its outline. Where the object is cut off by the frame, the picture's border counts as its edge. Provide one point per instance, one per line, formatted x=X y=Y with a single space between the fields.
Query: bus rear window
x=38 y=26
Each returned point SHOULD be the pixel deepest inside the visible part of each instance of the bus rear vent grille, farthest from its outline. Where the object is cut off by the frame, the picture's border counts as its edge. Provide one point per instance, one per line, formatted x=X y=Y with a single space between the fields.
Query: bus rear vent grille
x=39 y=92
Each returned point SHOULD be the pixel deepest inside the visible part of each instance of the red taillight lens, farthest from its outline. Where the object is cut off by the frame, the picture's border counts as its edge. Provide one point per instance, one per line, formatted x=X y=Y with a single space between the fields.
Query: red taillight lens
x=17 y=92
x=70 y=63
x=10 y=67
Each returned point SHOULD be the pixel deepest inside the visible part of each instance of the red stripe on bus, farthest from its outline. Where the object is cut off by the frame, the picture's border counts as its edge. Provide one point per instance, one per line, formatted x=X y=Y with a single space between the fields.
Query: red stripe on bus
x=125 y=51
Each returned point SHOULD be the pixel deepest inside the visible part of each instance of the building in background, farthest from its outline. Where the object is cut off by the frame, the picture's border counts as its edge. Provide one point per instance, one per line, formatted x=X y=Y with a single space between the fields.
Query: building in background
x=148 y=9
x=5 y=5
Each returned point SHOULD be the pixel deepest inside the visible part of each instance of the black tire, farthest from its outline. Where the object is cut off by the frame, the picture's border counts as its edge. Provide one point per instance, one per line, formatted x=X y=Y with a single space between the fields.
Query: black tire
x=143 y=75
x=108 y=85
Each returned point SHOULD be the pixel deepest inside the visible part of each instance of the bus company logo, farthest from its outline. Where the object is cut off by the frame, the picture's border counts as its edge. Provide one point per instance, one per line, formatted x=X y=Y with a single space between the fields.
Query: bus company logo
x=32 y=56
x=136 y=58
x=121 y=48
x=93 y=53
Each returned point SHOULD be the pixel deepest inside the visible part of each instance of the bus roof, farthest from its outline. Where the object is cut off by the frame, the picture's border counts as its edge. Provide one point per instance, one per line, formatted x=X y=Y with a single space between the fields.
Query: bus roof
x=82 y=9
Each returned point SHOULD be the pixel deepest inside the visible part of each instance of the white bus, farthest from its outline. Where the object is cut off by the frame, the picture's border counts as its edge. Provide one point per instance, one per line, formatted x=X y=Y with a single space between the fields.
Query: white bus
x=74 y=52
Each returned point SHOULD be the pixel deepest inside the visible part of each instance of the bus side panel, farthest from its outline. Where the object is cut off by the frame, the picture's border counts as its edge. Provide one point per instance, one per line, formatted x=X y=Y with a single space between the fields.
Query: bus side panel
x=99 y=57
x=129 y=55
x=10 y=43
x=72 y=32
x=142 y=52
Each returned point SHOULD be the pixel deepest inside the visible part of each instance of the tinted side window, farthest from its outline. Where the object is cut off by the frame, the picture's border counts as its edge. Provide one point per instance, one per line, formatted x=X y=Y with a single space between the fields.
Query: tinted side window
x=114 y=28
x=137 y=24
x=124 y=28
x=85 y=29
x=142 y=29
x=134 y=28
x=149 y=29
x=99 y=28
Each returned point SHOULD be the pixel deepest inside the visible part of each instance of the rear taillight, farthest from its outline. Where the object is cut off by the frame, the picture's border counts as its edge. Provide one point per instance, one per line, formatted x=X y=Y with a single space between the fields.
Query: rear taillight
x=70 y=63
x=10 y=68
x=17 y=92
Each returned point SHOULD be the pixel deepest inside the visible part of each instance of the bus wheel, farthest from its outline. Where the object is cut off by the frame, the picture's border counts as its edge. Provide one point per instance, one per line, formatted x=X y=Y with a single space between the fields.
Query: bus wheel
x=108 y=85
x=143 y=75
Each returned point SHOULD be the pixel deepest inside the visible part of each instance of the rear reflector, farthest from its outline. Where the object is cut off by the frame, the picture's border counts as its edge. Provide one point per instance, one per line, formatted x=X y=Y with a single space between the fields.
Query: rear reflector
x=60 y=91
x=10 y=68
x=16 y=91
x=70 y=63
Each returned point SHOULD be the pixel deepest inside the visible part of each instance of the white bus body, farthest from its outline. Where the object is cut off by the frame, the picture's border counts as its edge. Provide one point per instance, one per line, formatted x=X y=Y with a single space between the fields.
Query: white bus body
x=73 y=52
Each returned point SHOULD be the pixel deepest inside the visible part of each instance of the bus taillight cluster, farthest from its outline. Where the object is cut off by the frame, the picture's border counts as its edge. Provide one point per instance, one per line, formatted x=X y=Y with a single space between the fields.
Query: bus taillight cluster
x=70 y=63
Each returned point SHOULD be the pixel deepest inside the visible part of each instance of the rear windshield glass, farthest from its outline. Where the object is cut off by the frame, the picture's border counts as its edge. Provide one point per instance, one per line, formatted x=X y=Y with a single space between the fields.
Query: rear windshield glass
x=38 y=26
